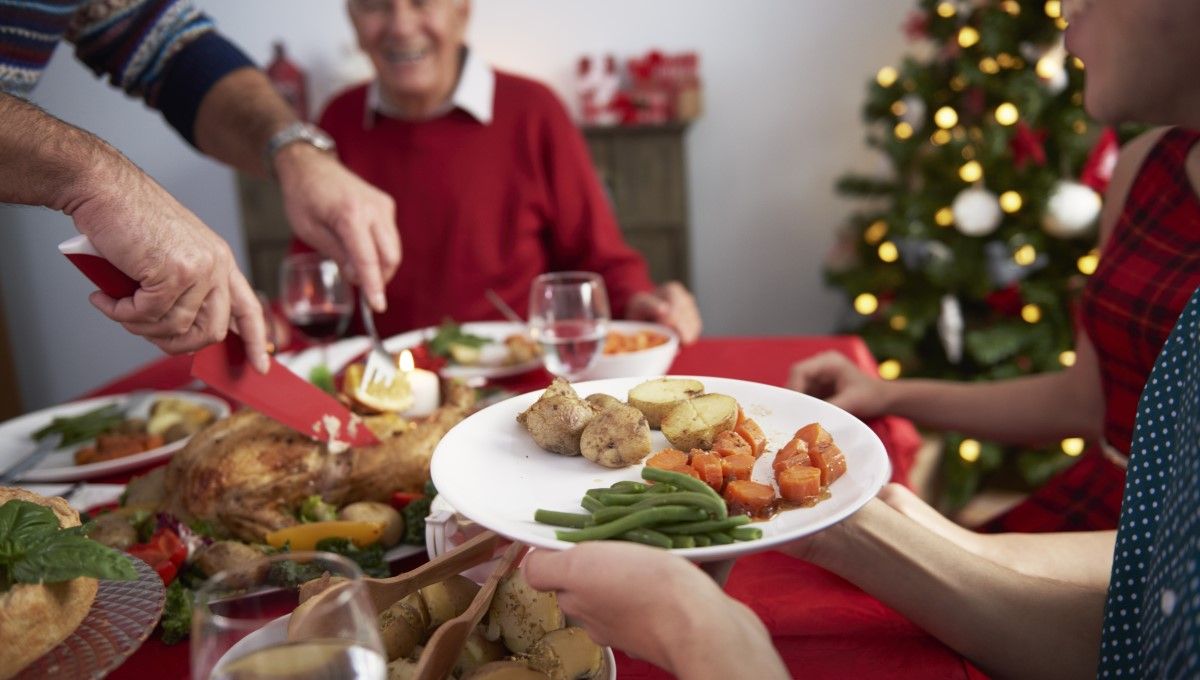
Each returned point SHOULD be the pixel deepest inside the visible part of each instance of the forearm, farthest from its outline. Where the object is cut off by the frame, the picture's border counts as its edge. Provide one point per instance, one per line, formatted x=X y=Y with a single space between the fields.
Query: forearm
x=1035 y=409
x=50 y=163
x=1012 y=625
x=733 y=644
x=237 y=117
x=1083 y=558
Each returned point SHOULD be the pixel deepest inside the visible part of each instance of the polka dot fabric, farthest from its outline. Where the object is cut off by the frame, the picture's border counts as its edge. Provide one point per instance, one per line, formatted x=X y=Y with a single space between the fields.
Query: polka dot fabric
x=1152 y=617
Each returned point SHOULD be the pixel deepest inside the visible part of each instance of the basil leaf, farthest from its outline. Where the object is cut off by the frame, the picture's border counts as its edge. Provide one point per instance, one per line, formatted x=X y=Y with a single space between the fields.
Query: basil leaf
x=22 y=524
x=62 y=557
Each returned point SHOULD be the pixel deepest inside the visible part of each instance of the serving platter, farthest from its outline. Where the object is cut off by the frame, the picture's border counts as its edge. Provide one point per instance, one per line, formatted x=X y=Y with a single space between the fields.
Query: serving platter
x=489 y=469
x=122 y=616
x=16 y=441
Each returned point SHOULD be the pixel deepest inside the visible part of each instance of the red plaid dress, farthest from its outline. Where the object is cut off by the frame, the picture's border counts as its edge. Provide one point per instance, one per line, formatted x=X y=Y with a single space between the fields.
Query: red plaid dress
x=1147 y=272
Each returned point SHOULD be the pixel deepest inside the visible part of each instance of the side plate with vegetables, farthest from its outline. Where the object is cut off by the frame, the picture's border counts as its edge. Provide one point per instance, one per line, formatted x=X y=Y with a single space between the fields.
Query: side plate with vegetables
x=17 y=435
x=492 y=472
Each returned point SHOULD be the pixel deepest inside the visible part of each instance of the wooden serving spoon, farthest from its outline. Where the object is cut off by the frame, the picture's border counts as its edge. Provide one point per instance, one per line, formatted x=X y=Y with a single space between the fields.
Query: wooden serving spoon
x=384 y=592
x=446 y=644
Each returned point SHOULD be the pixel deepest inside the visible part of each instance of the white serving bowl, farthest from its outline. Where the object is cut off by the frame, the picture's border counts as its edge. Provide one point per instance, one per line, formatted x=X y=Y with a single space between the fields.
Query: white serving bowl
x=651 y=361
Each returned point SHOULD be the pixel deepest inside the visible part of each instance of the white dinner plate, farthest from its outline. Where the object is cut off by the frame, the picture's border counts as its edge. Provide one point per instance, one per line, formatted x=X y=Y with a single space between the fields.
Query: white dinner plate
x=490 y=470
x=59 y=466
x=491 y=365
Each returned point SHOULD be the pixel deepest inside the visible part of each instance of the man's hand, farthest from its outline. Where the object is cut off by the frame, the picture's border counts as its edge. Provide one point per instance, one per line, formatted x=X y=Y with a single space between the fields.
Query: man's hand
x=671 y=305
x=190 y=287
x=341 y=216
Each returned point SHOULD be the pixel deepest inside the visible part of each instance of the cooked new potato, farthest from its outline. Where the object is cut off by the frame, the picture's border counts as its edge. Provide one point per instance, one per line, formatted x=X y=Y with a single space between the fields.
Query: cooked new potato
x=566 y=654
x=477 y=651
x=556 y=420
x=447 y=599
x=618 y=437
x=655 y=398
x=226 y=556
x=374 y=512
x=506 y=670
x=402 y=626
x=695 y=423
x=601 y=402
x=521 y=615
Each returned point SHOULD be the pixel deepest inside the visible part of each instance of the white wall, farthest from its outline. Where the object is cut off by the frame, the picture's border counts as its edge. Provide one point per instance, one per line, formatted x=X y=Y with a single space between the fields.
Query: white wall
x=784 y=80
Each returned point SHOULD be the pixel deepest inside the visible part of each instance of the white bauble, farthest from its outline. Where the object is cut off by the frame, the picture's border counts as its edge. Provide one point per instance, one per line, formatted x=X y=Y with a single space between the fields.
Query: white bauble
x=914 y=111
x=1071 y=210
x=950 y=328
x=976 y=212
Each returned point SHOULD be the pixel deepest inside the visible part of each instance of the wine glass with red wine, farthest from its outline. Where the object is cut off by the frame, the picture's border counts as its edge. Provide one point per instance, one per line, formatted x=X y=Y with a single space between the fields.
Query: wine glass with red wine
x=315 y=297
x=568 y=317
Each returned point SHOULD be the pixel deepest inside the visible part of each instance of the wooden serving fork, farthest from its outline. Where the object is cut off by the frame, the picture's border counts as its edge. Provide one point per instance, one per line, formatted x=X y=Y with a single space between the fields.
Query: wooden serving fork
x=384 y=592
x=446 y=644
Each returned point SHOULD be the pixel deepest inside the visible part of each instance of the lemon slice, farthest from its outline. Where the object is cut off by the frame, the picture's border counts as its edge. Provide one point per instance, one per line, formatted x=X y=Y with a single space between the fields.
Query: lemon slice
x=376 y=396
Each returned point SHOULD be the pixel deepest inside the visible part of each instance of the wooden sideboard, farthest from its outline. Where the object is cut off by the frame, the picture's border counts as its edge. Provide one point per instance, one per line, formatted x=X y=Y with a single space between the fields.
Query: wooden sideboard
x=645 y=171
x=643 y=168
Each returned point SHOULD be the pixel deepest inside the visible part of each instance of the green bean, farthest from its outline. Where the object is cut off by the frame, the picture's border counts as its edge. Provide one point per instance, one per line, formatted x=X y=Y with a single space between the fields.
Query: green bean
x=628 y=486
x=608 y=514
x=702 y=540
x=591 y=504
x=746 y=533
x=662 y=488
x=641 y=518
x=720 y=538
x=706 y=526
x=573 y=520
x=648 y=537
x=700 y=500
x=684 y=482
x=682 y=541
x=611 y=498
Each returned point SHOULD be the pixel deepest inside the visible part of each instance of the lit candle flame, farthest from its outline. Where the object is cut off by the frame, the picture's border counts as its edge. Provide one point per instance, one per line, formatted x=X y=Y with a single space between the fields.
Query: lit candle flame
x=406 y=362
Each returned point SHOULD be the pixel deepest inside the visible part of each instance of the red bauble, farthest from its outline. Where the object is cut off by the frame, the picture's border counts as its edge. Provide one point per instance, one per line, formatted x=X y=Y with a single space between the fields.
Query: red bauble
x=1006 y=301
x=916 y=26
x=1028 y=145
x=1098 y=169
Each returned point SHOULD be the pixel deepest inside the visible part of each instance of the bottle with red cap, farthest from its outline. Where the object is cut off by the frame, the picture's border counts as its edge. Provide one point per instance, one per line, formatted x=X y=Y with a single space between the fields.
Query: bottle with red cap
x=289 y=80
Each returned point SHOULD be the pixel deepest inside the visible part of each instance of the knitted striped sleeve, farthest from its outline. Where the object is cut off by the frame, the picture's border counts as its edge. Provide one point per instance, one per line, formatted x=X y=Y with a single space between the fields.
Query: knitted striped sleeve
x=165 y=51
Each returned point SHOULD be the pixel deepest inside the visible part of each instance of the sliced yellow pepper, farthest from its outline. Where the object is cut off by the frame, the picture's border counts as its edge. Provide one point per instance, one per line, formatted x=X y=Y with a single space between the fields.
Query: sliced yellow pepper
x=306 y=536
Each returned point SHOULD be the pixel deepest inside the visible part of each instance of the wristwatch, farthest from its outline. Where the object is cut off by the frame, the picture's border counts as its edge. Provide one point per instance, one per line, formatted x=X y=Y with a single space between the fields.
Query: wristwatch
x=296 y=132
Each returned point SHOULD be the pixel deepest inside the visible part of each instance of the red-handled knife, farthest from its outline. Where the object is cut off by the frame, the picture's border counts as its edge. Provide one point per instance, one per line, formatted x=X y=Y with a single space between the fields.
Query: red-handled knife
x=279 y=393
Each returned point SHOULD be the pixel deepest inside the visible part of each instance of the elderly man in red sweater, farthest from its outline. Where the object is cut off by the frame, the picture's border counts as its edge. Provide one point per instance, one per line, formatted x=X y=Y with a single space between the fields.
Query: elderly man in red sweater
x=492 y=182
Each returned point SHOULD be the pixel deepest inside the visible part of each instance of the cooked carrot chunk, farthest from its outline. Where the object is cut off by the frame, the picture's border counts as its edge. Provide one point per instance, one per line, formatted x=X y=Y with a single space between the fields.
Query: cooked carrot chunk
x=668 y=459
x=830 y=461
x=794 y=452
x=750 y=497
x=730 y=443
x=752 y=433
x=799 y=483
x=710 y=469
x=738 y=466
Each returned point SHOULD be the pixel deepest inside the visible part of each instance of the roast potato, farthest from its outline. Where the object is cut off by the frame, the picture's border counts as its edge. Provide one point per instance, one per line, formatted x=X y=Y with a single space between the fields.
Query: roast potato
x=618 y=437
x=375 y=512
x=655 y=398
x=114 y=531
x=556 y=420
x=695 y=423
x=229 y=556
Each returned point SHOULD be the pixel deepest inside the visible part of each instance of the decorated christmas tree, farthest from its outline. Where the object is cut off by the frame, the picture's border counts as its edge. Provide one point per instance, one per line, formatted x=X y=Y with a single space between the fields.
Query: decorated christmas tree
x=964 y=259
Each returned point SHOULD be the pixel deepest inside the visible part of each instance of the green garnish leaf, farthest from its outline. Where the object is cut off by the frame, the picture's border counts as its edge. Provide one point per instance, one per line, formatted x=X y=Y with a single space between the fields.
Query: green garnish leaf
x=34 y=549
x=83 y=427
x=322 y=377
x=449 y=334
x=369 y=559
x=177 y=614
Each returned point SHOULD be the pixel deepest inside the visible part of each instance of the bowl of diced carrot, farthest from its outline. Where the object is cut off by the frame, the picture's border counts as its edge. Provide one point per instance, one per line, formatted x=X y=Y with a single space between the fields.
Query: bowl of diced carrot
x=635 y=348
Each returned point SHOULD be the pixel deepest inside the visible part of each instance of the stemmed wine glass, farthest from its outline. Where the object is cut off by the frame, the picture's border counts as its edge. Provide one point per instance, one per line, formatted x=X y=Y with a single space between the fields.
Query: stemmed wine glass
x=315 y=297
x=568 y=317
x=238 y=632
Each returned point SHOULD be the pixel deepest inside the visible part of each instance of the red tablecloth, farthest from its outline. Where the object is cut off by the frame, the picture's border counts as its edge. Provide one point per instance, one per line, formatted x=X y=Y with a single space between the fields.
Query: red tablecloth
x=823 y=626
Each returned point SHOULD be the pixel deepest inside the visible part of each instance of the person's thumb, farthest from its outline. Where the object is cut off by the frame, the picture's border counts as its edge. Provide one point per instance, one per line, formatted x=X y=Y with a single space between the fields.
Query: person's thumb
x=542 y=569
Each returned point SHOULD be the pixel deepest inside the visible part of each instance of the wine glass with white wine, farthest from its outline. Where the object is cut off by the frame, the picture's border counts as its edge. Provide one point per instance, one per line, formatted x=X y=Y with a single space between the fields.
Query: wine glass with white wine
x=240 y=630
x=568 y=317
